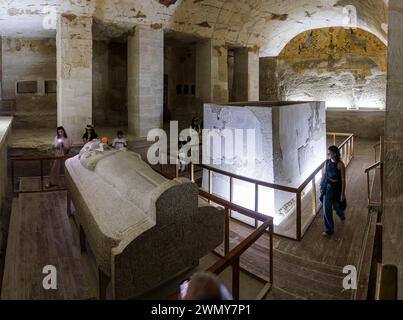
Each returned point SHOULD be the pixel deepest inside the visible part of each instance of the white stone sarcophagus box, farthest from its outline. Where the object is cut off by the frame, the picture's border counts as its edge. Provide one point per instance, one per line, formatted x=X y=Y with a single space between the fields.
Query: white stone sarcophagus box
x=288 y=143
x=142 y=228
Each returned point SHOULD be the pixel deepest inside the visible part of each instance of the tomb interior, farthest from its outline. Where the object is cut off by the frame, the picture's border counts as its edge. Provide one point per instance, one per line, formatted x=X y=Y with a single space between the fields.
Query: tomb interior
x=276 y=142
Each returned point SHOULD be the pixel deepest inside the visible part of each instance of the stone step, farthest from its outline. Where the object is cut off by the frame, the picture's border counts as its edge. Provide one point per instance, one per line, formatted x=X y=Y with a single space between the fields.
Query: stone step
x=294 y=277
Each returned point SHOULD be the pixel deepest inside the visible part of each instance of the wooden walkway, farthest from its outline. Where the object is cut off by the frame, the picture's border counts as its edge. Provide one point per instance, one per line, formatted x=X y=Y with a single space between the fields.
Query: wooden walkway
x=313 y=267
x=39 y=235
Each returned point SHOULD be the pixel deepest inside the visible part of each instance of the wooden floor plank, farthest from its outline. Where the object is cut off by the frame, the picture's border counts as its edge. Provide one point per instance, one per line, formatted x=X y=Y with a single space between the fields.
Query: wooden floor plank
x=40 y=234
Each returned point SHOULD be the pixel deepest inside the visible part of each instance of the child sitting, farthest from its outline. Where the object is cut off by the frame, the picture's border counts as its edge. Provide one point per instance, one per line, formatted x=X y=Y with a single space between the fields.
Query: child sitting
x=120 y=142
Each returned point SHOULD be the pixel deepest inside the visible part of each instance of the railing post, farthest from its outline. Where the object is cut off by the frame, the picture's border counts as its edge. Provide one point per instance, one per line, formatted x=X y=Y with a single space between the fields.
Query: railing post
x=368 y=189
x=68 y=204
x=12 y=177
x=381 y=178
x=226 y=231
x=231 y=193
x=314 y=202
x=192 y=172
x=378 y=242
x=256 y=202
x=41 y=163
x=271 y=252
x=210 y=181
x=177 y=168
x=334 y=139
x=235 y=279
x=298 y=208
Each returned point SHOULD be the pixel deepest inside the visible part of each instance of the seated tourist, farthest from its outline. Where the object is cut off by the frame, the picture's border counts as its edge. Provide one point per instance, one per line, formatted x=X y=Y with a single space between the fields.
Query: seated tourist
x=89 y=134
x=182 y=156
x=204 y=286
x=120 y=141
x=62 y=145
x=195 y=124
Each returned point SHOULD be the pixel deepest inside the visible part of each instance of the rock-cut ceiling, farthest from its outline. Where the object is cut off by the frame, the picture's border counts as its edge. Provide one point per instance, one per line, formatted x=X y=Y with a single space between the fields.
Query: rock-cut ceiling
x=267 y=24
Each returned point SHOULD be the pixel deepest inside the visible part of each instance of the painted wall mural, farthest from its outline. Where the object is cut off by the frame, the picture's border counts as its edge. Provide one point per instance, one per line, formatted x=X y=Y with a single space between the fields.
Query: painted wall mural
x=344 y=67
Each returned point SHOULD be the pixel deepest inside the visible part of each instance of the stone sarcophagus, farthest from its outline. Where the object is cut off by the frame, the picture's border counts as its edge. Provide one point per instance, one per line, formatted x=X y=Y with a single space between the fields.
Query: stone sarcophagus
x=277 y=142
x=142 y=228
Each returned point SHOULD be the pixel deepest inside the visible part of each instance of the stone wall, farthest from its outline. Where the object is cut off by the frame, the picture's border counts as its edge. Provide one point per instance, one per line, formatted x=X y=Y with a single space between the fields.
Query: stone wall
x=212 y=71
x=100 y=76
x=145 y=80
x=5 y=123
x=74 y=74
x=33 y=60
x=344 y=67
x=368 y=124
x=245 y=85
x=109 y=83
x=180 y=72
x=117 y=115
x=268 y=79
x=392 y=218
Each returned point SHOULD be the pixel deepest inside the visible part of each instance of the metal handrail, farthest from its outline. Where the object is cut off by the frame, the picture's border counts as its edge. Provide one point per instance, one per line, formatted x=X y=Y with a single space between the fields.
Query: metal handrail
x=232 y=258
x=41 y=159
x=347 y=152
x=250 y=180
x=374 y=166
x=368 y=170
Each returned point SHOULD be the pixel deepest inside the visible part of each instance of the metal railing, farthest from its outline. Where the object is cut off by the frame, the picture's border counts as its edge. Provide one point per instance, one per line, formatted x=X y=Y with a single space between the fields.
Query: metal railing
x=347 y=154
x=346 y=147
x=378 y=149
x=231 y=258
x=386 y=279
x=40 y=161
x=377 y=165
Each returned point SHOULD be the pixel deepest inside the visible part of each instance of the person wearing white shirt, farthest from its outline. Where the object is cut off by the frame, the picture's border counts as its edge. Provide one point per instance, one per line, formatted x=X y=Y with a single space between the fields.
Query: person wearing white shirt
x=120 y=142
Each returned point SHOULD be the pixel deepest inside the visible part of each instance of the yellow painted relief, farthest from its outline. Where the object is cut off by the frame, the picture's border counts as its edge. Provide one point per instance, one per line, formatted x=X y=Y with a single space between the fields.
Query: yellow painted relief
x=336 y=50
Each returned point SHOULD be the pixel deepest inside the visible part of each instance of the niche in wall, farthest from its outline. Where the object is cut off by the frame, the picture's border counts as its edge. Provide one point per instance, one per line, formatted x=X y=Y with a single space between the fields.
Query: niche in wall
x=185 y=89
x=50 y=86
x=180 y=66
x=27 y=87
x=109 y=82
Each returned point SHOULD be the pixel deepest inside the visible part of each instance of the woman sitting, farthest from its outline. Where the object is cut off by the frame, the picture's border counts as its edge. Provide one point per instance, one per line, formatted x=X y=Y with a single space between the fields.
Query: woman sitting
x=89 y=134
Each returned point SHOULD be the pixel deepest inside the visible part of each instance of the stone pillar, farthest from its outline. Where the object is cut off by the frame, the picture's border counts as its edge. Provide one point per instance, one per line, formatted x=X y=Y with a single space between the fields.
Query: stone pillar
x=211 y=71
x=145 y=76
x=268 y=84
x=74 y=74
x=246 y=74
x=393 y=156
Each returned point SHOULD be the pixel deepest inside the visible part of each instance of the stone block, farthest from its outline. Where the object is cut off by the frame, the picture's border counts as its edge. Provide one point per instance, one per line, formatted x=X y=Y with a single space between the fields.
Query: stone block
x=289 y=144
